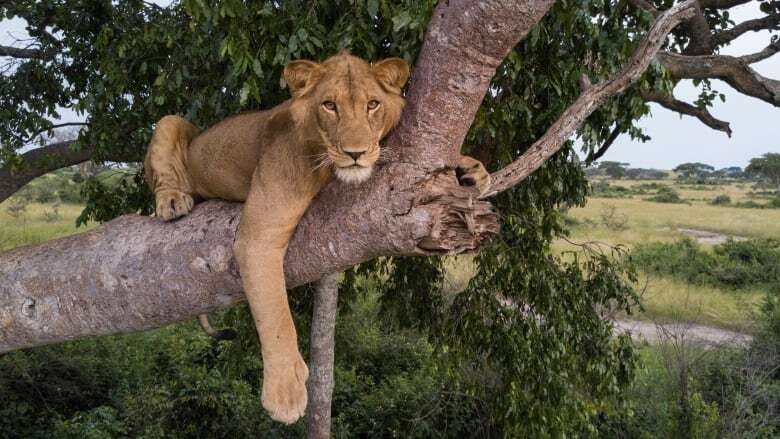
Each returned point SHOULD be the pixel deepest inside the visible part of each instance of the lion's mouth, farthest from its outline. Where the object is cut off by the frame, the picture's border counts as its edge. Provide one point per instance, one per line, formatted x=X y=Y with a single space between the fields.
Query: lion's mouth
x=354 y=173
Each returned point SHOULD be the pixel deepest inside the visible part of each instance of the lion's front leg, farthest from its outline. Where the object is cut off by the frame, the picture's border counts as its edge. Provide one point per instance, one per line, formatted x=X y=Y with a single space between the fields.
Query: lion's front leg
x=284 y=371
x=268 y=220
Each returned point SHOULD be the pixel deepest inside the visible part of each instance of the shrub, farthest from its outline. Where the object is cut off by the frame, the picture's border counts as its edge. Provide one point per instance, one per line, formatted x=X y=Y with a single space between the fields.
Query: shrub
x=612 y=220
x=17 y=207
x=733 y=264
x=666 y=195
x=721 y=200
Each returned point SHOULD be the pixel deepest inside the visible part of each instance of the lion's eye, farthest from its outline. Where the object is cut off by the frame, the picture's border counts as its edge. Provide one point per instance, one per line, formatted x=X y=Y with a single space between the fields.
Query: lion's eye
x=373 y=104
x=329 y=105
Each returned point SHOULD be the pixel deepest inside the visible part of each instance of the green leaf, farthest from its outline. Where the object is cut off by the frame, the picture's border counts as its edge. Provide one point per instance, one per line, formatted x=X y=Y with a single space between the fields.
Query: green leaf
x=372 y=7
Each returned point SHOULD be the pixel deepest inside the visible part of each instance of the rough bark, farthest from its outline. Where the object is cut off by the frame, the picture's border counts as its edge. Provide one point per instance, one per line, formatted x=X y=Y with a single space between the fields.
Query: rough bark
x=465 y=43
x=137 y=273
x=321 y=357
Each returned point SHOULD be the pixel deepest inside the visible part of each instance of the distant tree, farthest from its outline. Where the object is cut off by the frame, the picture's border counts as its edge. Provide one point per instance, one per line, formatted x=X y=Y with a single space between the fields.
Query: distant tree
x=645 y=174
x=614 y=169
x=730 y=172
x=694 y=170
x=767 y=166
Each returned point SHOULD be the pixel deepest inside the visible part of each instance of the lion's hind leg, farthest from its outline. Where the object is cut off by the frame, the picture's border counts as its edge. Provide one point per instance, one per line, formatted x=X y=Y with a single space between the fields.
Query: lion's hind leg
x=165 y=167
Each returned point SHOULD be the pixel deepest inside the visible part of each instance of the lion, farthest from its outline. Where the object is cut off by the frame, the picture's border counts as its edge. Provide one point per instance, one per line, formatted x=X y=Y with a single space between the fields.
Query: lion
x=276 y=161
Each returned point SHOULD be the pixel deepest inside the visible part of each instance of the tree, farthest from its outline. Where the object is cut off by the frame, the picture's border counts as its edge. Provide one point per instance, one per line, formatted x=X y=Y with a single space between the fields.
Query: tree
x=766 y=166
x=614 y=169
x=530 y=321
x=694 y=170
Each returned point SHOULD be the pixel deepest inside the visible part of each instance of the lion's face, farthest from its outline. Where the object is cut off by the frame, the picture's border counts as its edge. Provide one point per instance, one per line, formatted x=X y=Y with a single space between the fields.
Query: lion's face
x=349 y=105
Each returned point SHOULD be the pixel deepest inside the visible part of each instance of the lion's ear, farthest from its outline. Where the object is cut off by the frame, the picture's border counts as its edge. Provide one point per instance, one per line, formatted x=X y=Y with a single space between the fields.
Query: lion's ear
x=393 y=72
x=297 y=73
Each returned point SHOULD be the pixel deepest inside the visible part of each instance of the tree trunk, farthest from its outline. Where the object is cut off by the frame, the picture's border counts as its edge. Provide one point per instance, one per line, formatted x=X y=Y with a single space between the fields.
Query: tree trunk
x=321 y=357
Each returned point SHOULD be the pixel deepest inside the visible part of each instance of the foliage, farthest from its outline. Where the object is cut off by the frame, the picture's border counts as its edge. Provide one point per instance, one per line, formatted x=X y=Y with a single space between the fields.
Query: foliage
x=613 y=169
x=177 y=382
x=666 y=195
x=17 y=208
x=721 y=200
x=60 y=185
x=613 y=220
x=733 y=264
x=694 y=170
x=767 y=167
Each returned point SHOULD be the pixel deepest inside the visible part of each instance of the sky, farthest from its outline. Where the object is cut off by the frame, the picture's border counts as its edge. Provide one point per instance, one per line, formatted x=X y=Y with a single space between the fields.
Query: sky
x=675 y=139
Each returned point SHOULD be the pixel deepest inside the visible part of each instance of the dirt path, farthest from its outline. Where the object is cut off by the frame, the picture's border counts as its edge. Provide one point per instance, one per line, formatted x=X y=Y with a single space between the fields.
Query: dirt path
x=705 y=335
x=707 y=237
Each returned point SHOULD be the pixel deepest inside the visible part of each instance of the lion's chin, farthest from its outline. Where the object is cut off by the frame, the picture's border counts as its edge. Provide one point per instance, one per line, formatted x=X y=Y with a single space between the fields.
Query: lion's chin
x=353 y=174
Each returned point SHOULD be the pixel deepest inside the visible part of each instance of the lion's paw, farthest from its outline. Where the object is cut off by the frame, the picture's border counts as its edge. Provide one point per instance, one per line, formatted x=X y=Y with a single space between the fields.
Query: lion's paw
x=471 y=172
x=284 y=389
x=172 y=204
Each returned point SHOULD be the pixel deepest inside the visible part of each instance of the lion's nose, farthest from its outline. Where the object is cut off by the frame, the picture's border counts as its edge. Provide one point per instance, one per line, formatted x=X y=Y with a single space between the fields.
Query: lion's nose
x=354 y=154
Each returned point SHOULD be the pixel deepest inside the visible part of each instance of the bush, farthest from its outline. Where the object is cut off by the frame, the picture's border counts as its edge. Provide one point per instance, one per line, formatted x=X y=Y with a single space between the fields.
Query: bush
x=721 y=200
x=733 y=264
x=666 y=195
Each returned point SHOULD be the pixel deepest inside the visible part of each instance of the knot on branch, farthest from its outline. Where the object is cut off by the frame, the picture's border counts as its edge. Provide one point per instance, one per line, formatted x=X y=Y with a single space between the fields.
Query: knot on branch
x=460 y=221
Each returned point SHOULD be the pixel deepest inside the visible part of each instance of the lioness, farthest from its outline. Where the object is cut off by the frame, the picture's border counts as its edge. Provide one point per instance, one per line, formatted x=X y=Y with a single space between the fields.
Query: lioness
x=277 y=161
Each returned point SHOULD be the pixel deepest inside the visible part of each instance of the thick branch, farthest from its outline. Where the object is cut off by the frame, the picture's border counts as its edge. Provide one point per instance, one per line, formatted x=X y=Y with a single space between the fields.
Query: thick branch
x=465 y=43
x=39 y=161
x=137 y=273
x=15 y=52
x=764 y=23
x=590 y=100
x=734 y=71
x=698 y=30
x=722 y=4
x=669 y=102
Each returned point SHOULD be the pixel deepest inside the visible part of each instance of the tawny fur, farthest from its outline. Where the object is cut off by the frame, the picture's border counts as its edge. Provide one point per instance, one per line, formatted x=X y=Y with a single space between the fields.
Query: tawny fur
x=276 y=161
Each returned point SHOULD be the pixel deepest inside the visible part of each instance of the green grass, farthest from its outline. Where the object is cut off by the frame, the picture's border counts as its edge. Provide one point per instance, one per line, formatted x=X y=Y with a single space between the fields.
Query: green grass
x=666 y=299
x=31 y=227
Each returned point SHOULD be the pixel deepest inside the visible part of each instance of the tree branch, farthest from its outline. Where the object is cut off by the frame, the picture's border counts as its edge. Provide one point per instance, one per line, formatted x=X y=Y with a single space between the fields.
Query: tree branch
x=590 y=100
x=595 y=155
x=15 y=52
x=479 y=35
x=39 y=161
x=722 y=4
x=734 y=71
x=669 y=102
x=769 y=51
x=770 y=22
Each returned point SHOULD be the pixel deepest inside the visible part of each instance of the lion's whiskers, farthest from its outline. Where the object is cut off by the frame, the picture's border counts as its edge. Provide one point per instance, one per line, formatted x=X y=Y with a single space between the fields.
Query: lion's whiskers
x=322 y=161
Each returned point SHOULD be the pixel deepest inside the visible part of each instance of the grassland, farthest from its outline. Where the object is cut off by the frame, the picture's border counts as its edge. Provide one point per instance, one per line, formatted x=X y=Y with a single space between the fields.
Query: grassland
x=631 y=220
x=37 y=223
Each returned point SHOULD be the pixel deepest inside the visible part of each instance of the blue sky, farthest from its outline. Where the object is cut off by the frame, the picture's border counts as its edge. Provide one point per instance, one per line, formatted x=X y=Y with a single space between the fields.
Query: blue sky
x=675 y=140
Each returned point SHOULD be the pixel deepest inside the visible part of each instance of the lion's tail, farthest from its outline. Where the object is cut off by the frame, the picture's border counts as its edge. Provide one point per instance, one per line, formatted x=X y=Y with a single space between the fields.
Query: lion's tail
x=219 y=334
